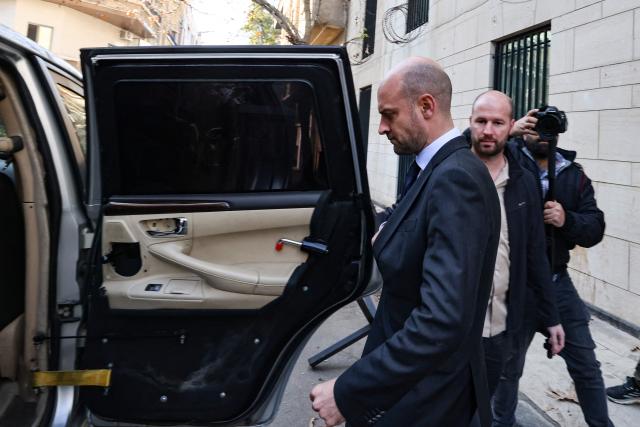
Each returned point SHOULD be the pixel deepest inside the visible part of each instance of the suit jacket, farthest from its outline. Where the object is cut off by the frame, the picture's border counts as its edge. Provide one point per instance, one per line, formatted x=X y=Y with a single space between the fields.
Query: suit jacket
x=528 y=262
x=423 y=364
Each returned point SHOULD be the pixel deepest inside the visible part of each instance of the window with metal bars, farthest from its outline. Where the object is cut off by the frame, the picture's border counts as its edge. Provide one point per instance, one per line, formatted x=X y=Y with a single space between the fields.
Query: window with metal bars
x=364 y=111
x=417 y=14
x=522 y=69
x=369 y=28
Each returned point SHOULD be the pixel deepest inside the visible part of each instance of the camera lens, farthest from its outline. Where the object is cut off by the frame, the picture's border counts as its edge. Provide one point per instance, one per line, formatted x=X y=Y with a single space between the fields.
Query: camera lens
x=551 y=122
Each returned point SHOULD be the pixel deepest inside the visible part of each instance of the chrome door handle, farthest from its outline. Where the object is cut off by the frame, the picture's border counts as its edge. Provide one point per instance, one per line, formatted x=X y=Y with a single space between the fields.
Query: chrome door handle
x=181 y=229
x=310 y=246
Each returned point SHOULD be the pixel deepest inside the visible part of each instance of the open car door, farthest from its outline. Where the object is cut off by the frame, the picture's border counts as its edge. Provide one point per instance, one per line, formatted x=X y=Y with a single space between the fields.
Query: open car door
x=232 y=217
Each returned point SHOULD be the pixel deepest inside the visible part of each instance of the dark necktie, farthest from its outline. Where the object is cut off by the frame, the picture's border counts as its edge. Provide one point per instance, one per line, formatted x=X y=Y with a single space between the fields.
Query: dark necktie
x=410 y=178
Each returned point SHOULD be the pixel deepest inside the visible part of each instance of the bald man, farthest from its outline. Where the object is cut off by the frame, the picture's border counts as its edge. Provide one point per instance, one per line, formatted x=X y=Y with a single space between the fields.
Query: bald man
x=422 y=364
x=521 y=259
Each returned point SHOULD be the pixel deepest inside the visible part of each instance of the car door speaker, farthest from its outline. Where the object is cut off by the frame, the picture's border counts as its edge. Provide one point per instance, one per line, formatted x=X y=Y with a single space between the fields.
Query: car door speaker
x=125 y=258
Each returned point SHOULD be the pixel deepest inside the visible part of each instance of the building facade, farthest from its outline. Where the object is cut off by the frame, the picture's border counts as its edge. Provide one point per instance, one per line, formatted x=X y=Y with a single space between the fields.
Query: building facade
x=65 y=26
x=319 y=22
x=582 y=56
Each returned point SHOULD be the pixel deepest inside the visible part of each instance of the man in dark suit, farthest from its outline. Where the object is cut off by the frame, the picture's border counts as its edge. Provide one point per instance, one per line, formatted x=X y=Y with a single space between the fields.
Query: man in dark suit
x=422 y=364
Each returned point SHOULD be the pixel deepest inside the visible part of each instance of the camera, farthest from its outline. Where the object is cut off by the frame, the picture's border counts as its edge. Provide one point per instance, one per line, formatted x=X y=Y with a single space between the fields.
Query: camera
x=551 y=122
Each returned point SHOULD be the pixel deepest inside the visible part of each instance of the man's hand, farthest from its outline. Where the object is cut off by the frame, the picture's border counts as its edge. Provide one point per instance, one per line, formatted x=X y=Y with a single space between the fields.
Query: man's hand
x=324 y=403
x=556 y=339
x=525 y=125
x=554 y=214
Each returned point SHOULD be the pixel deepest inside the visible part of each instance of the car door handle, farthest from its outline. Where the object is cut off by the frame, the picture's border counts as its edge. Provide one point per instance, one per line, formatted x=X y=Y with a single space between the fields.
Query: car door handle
x=181 y=229
x=309 y=246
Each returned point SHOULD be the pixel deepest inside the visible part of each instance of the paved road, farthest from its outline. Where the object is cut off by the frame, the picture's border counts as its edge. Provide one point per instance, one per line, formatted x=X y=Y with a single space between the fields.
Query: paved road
x=541 y=375
x=295 y=410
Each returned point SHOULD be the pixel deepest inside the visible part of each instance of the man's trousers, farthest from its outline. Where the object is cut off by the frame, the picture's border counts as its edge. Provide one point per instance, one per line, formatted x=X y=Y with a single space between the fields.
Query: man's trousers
x=578 y=355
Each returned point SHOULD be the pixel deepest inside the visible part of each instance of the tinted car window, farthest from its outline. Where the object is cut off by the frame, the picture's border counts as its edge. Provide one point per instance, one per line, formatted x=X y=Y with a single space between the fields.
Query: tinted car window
x=74 y=104
x=5 y=167
x=191 y=137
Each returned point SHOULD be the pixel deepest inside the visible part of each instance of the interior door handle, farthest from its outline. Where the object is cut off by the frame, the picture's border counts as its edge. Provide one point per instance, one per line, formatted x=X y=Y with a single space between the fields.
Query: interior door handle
x=308 y=246
x=181 y=229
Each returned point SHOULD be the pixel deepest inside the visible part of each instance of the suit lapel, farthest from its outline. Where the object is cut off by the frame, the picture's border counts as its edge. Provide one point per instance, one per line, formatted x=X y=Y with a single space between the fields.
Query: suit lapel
x=407 y=201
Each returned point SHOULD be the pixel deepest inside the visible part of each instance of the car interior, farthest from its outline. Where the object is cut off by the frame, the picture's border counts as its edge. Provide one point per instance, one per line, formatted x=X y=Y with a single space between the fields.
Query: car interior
x=234 y=137
x=23 y=260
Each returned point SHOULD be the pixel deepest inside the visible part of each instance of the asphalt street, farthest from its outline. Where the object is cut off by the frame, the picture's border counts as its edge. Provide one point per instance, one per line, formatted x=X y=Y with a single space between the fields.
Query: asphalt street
x=543 y=380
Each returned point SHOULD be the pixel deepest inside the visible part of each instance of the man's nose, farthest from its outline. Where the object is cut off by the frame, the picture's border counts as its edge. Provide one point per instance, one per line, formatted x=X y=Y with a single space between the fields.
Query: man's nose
x=488 y=129
x=383 y=128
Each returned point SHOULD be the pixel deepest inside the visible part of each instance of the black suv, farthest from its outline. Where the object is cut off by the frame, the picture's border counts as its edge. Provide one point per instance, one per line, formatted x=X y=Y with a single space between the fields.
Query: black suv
x=173 y=252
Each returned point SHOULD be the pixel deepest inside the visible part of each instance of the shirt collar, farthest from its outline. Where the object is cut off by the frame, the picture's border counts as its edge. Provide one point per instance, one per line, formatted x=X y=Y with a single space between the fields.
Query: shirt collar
x=424 y=157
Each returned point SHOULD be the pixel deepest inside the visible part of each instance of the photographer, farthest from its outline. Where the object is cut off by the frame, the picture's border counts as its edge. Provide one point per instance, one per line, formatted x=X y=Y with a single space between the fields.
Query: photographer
x=573 y=218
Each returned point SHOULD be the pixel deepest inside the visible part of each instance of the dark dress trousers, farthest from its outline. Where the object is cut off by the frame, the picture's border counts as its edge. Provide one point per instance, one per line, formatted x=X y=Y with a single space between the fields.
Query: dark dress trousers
x=422 y=364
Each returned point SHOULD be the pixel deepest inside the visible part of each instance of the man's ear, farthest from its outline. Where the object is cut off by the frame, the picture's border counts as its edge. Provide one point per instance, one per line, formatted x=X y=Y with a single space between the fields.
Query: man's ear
x=427 y=104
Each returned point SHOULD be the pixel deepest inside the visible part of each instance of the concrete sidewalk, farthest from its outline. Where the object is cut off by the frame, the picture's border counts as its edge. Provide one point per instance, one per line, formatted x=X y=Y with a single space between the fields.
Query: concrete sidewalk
x=542 y=377
x=547 y=385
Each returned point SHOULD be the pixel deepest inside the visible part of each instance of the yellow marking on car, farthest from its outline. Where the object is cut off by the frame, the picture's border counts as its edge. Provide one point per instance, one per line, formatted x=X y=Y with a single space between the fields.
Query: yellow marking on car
x=89 y=377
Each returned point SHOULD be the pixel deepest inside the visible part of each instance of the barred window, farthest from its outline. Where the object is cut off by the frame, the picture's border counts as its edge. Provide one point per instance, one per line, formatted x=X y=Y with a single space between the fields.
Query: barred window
x=522 y=69
x=417 y=14
x=364 y=111
x=369 y=28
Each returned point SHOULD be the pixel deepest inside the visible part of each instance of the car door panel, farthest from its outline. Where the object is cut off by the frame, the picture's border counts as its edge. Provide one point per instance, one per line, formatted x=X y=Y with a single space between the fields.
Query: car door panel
x=229 y=258
x=247 y=147
x=211 y=365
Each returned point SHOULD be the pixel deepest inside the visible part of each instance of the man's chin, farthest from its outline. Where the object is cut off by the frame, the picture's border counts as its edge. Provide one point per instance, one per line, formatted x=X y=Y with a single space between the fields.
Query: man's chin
x=491 y=151
x=400 y=150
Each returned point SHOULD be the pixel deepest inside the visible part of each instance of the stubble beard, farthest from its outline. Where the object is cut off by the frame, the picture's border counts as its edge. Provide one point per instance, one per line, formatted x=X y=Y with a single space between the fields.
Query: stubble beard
x=415 y=140
x=483 y=153
x=538 y=149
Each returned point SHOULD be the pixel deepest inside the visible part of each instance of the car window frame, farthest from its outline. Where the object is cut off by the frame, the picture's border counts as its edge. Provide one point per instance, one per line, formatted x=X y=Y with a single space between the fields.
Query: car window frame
x=51 y=76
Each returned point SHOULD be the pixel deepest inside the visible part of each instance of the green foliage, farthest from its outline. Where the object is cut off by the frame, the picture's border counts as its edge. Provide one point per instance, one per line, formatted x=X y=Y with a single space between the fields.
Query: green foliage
x=260 y=26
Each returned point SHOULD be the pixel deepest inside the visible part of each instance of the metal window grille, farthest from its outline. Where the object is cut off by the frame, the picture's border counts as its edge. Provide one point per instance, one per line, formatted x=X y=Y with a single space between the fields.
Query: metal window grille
x=369 y=28
x=522 y=70
x=417 y=14
x=364 y=110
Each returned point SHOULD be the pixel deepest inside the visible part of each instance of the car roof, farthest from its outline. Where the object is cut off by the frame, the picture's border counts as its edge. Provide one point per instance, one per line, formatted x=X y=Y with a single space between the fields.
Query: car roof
x=26 y=45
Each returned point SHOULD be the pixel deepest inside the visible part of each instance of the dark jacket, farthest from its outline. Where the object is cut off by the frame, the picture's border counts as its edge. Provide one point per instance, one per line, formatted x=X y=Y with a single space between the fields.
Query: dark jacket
x=584 y=223
x=422 y=364
x=527 y=249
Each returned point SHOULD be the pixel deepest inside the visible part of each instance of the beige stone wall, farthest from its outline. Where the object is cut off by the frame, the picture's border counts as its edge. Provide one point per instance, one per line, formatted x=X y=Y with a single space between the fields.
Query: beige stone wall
x=594 y=76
